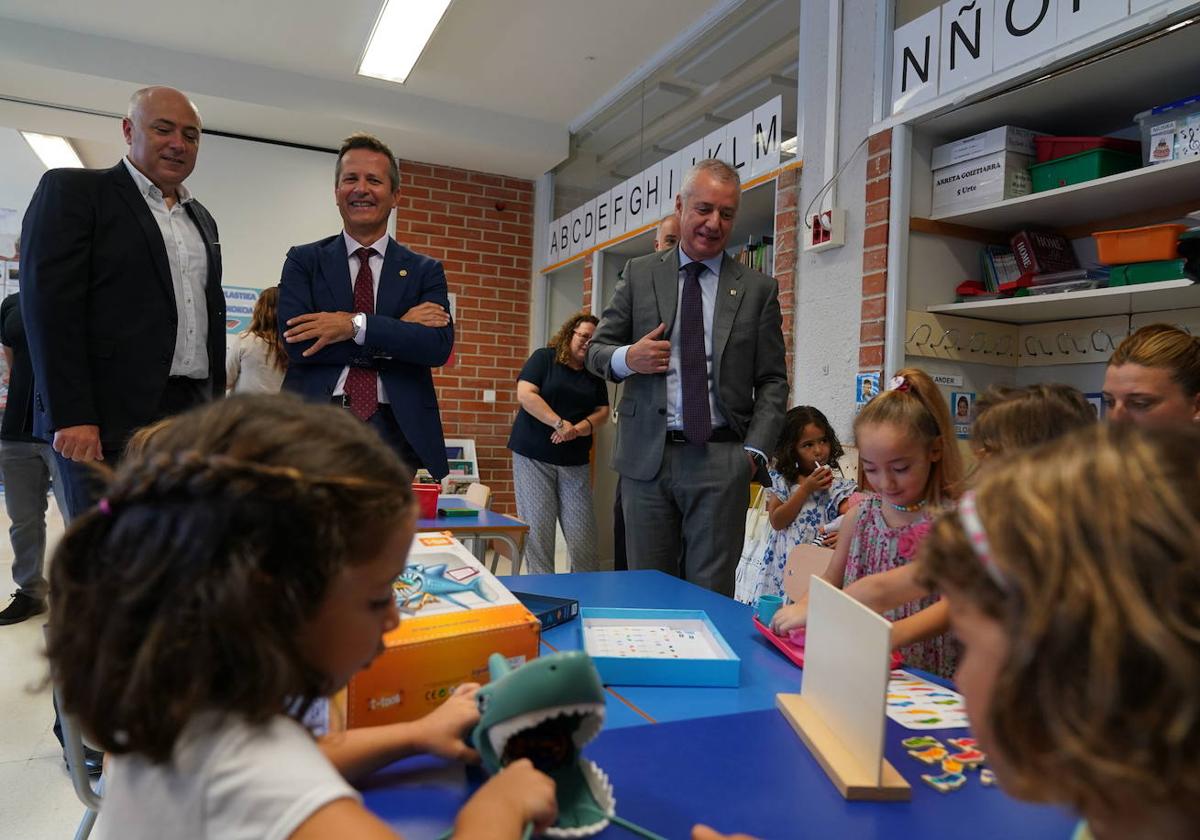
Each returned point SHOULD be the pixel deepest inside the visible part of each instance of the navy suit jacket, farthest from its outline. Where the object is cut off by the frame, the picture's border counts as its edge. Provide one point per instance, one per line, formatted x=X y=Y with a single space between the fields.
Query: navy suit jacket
x=99 y=305
x=316 y=278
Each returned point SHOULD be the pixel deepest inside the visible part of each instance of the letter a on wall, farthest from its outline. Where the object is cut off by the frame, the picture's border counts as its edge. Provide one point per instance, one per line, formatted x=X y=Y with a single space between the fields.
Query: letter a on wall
x=915 y=51
x=966 y=43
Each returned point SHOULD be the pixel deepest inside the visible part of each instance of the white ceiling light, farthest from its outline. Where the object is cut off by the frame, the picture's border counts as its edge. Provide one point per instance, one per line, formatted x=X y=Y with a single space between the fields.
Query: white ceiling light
x=55 y=152
x=403 y=29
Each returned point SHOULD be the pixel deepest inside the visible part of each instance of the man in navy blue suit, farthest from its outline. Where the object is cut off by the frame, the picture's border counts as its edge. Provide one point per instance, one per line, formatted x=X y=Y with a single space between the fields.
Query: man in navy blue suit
x=364 y=319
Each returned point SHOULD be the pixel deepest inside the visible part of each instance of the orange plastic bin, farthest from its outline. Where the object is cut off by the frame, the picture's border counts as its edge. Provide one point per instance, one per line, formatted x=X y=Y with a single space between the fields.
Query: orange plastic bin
x=427 y=498
x=1135 y=245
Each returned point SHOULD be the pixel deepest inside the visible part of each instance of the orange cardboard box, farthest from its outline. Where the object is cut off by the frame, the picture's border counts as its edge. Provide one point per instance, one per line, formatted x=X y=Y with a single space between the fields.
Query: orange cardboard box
x=454 y=614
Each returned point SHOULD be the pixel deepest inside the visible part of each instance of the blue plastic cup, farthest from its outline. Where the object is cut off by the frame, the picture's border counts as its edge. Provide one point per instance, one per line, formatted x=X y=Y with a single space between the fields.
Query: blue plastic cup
x=768 y=605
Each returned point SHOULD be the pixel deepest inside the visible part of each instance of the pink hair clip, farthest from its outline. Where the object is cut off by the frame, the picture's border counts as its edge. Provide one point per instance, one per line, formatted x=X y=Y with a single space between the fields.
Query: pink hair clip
x=104 y=506
x=897 y=383
x=968 y=514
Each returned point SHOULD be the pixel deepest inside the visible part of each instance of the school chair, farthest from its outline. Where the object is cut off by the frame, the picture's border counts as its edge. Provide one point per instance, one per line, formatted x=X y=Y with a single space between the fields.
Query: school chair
x=481 y=495
x=73 y=747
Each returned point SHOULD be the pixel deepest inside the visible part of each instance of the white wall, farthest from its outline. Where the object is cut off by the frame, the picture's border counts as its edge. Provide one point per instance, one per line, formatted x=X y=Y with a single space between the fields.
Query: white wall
x=19 y=173
x=829 y=283
x=264 y=197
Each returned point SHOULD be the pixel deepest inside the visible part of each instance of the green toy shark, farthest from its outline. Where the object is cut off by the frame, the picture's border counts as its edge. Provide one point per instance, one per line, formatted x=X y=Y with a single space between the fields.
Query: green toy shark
x=548 y=710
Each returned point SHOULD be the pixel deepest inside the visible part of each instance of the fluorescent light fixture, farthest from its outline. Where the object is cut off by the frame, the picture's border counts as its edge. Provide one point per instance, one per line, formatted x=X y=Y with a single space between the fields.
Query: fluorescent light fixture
x=401 y=32
x=55 y=152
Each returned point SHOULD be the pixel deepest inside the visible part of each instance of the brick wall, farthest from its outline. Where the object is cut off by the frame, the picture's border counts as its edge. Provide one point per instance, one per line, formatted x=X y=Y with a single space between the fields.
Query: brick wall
x=481 y=227
x=787 y=190
x=587 y=285
x=875 y=242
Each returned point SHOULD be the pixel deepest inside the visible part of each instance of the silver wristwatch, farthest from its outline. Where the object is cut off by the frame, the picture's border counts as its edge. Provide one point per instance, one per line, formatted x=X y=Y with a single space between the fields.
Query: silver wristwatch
x=358 y=323
x=558 y=426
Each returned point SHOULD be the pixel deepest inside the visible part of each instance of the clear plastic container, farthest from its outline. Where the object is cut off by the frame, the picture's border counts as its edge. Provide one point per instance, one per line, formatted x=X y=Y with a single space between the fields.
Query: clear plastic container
x=1171 y=132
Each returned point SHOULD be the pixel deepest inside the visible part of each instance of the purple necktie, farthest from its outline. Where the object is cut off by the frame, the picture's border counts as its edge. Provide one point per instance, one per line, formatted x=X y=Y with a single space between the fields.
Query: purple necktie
x=362 y=383
x=693 y=363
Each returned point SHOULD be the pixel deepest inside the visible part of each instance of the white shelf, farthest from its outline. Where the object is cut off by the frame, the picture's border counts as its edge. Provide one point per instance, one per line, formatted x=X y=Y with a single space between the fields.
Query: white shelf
x=1149 y=188
x=1119 y=300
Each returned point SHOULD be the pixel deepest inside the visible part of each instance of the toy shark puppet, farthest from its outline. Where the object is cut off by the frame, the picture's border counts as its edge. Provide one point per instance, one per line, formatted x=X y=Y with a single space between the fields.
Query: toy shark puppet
x=418 y=584
x=548 y=710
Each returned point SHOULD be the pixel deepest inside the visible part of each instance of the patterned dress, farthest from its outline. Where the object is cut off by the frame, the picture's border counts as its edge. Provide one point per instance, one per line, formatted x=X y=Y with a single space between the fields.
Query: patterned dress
x=818 y=510
x=875 y=547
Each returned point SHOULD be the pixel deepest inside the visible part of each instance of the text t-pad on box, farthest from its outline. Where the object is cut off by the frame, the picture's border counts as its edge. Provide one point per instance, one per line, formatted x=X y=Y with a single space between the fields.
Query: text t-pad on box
x=454 y=614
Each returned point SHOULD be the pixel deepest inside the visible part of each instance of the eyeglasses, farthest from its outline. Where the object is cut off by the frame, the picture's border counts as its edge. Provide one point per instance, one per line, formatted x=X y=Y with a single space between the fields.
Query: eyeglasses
x=587 y=337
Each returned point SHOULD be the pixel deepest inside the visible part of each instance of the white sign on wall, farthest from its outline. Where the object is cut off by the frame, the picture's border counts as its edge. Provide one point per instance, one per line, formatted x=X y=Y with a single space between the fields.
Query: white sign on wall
x=589 y=224
x=1079 y=17
x=1024 y=28
x=967 y=35
x=915 y=50
x=652 y=181
x=768 y=136
x=751 y=144
x=741 y=144
x=965 y=40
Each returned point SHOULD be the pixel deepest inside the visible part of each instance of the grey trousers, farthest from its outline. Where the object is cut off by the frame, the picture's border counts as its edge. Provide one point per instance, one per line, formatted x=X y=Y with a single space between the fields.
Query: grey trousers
x=690 y=519
x=546 y=494
x=28 y=469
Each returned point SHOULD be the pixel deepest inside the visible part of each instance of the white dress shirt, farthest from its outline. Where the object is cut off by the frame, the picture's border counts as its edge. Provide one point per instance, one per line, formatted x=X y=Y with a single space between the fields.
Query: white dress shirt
x=380 y=247
x=188 y=261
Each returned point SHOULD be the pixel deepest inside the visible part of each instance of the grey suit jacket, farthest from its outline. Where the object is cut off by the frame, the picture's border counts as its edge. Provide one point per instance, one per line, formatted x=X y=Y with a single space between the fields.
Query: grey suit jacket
x=749 y=364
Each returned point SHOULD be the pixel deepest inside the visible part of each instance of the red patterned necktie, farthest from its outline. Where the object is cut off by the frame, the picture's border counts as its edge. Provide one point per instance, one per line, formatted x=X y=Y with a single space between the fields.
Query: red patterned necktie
x=693 y=361
x=362 y=384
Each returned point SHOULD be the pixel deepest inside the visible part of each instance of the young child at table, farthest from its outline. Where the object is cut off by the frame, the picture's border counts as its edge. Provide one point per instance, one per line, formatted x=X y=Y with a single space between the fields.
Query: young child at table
x=238 y=568
x=909 y=461
x=1073 y=583
x=1010 y=421
x=805 y=496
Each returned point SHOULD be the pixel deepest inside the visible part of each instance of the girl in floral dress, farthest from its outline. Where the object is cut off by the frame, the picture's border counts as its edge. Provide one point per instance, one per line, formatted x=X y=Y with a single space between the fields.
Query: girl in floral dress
x=804 y=496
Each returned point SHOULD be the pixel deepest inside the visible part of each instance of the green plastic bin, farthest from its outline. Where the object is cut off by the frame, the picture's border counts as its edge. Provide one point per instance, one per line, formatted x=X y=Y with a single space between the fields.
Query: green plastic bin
x=1147 y=272
x=1076 y=169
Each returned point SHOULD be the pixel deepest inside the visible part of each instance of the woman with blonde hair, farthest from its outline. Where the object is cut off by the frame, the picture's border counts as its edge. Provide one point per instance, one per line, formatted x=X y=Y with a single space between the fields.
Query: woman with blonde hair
x=1153 y=378
x=257 y=363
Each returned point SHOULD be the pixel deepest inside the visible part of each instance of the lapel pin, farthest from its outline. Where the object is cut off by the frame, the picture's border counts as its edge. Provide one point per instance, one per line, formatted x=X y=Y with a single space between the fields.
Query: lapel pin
x=732 y=292
x=404 y=272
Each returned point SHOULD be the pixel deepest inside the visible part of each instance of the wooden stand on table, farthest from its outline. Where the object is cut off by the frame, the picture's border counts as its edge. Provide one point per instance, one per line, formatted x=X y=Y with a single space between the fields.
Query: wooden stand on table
x=840 y=713
x=847 y=775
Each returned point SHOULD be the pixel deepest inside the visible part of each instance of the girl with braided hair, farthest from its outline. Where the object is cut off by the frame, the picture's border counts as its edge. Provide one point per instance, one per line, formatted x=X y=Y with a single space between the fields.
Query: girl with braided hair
x=240 y=567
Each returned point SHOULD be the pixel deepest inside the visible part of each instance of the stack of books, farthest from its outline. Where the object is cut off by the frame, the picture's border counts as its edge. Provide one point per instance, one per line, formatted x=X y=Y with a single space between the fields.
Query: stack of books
x=758 y=253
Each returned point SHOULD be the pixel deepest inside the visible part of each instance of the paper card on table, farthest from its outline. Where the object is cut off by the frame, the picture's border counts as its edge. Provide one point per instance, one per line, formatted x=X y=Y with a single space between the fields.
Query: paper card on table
x=915 y=703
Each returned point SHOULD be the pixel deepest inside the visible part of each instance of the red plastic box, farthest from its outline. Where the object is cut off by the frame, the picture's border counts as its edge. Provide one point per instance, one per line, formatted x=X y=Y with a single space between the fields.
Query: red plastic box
x=1052 y=148
x=427 y=496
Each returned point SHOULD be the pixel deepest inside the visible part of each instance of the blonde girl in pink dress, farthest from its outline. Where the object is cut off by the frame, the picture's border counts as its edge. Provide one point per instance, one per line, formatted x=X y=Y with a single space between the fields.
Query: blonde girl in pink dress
x=910 y=468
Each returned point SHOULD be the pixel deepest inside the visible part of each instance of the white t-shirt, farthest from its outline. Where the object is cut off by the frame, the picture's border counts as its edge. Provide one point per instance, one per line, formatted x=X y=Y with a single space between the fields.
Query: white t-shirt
x=226 y=781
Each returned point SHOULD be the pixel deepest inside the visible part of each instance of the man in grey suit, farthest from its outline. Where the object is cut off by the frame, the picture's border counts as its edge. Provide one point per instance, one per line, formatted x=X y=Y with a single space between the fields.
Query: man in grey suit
x=697 y=338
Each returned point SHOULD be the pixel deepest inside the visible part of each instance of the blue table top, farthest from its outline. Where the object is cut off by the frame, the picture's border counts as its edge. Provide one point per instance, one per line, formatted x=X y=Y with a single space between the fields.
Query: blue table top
x=747 y=772
x=723 y=756
x=485 y=520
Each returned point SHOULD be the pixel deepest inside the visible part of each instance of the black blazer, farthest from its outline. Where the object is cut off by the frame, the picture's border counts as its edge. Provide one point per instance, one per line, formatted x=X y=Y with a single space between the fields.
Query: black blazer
x=99 y=306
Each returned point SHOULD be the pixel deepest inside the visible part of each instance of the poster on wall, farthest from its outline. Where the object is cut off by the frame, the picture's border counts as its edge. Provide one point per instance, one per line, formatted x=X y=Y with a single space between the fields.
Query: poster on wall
x=239 y=308
x=866 y=386
x=962 y=411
